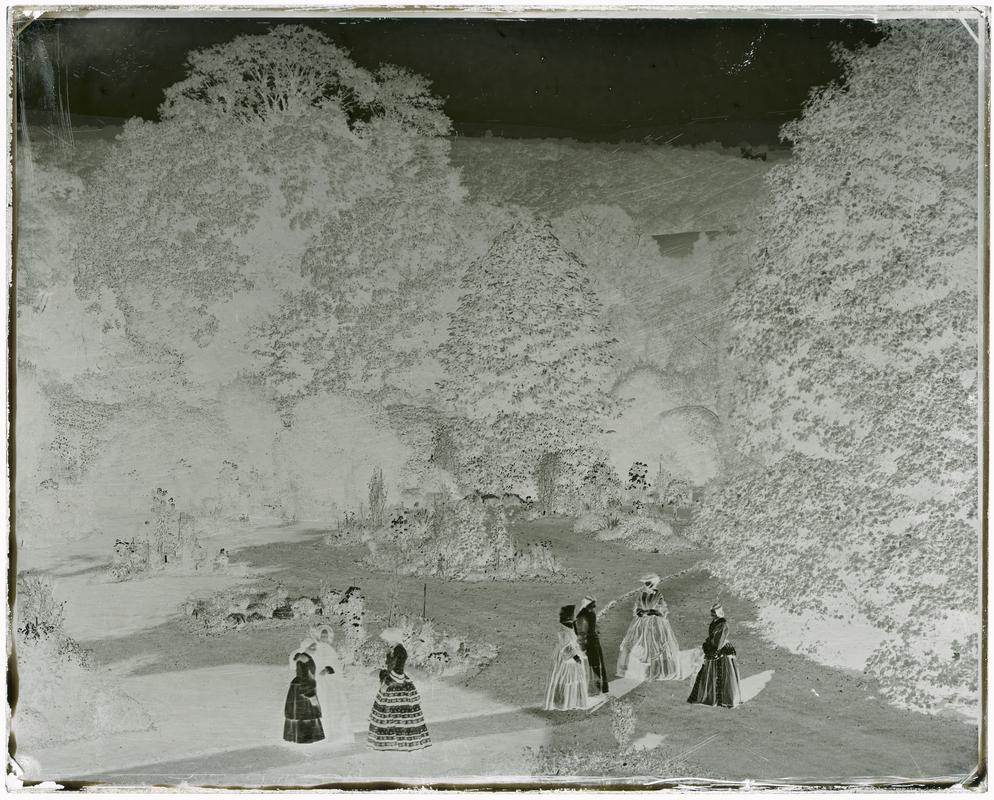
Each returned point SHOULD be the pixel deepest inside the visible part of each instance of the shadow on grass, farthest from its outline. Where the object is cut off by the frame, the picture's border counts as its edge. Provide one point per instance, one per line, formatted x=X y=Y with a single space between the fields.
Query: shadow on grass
x=228 y=765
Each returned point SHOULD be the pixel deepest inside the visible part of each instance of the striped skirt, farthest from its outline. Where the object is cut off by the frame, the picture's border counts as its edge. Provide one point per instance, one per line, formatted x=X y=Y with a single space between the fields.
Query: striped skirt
x=396 y=721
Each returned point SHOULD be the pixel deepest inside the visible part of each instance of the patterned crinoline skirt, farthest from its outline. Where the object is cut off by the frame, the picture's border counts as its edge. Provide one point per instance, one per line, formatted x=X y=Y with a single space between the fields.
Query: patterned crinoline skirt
x=396 y=721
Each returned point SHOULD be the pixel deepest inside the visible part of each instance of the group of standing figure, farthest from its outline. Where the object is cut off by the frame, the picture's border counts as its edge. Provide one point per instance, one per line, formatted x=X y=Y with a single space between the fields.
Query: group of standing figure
x=648 y=651
x=316 y=709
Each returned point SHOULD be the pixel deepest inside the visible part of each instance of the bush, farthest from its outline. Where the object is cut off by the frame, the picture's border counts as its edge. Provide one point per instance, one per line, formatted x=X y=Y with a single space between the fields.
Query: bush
x=600 y=487
x=172 y=541
x=245 y=606
x=60 y=697
x=461 y=540
x=638 y=485
x=434 y=651
x=622 y=722
x=646 y=534
x=38 y=614
x=657 y=763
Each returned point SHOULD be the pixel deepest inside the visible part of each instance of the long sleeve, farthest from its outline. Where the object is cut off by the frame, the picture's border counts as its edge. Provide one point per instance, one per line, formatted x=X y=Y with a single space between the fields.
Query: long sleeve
x=582 y=628
x=717 y=636
x=660 y=606
x=568 y=646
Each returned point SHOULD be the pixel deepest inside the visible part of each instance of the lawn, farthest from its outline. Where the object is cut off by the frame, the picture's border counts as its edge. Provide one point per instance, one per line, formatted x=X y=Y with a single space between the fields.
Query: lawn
x=810 y=723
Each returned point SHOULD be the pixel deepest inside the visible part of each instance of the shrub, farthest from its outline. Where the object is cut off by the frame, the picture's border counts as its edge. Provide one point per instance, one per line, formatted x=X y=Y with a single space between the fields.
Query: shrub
x=172 y=541
x=436 y=652
x=60 y=696
x=462 y=540
x=38 y=614
x=645 y=534
x=622 y=722
x=575 y=761
x=601 y=485
x=245 y=606
x=638 y=485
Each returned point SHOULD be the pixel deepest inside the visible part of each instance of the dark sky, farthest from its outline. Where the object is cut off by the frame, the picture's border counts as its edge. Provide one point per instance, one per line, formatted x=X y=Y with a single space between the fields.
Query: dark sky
x=605 y=80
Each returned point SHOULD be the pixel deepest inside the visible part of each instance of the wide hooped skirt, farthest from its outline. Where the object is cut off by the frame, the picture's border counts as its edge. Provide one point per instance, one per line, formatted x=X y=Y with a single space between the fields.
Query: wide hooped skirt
x=567 y=689
x=303 y=731
x=649 y=651
x=396 y=721
x=717 y=683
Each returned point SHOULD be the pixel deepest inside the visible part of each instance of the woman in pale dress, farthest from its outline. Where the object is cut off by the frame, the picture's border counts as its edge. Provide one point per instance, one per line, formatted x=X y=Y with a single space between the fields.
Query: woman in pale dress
x=649 y=650
x=331 y=691
x=567 y=690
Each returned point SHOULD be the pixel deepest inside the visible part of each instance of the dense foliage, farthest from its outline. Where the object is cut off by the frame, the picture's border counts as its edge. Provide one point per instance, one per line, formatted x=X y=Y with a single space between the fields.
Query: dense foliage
x=527 y=358
x=854 y=367
x=459 y=540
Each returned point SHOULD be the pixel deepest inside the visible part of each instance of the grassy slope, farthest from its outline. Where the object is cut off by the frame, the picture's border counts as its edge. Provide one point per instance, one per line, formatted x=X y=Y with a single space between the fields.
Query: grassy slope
x=666 y=190
x=788 y=731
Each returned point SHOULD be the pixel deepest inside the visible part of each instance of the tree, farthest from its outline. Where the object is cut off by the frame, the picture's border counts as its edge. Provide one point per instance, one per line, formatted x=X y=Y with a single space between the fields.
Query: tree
x=281 y=176
x=854 y=366
x=526 y=357
x=547 y=474
x=292 y=69
x=377 y=498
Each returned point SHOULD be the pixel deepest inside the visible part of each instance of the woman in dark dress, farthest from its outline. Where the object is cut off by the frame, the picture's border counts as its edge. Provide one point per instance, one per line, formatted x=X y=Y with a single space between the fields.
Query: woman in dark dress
x=302 y=712
x=396 y=721
x=717 y=682
x=586 y=634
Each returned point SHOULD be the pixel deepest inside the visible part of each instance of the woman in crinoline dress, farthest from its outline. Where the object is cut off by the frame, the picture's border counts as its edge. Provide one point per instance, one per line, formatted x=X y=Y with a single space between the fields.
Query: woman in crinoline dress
x=567 y=689
x=396 y=721
x=717 y=682
x=649 y=650
x=330 y=687
x=302 y=712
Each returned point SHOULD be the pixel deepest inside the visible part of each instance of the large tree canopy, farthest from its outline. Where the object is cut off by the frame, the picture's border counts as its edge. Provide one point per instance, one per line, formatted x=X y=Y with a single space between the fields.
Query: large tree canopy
x=292 y=69
x=527 y=356
x=854 y=366
x=282 y=218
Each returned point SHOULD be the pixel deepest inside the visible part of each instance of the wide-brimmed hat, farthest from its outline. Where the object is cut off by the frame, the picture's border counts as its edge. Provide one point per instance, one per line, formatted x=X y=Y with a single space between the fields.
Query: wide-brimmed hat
x=652 y=579
x=718 y=610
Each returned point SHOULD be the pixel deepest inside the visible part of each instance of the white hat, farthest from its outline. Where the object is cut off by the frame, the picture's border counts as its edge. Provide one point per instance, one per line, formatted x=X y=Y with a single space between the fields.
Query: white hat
x=652 y=578
x=304 y=646
x=392 y=636
x=586 y=601
x=717 y=609
x=316 y=632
